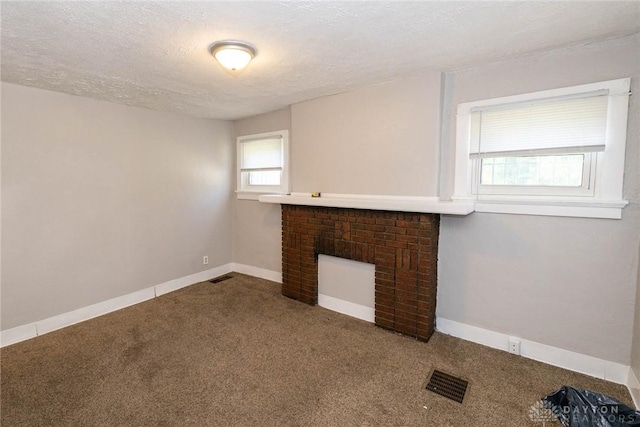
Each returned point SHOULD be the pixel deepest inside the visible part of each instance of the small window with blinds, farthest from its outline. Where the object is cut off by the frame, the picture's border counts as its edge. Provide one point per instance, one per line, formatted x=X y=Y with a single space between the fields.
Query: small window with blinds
x=541 y=147
x=555 y=152
x=263 y=163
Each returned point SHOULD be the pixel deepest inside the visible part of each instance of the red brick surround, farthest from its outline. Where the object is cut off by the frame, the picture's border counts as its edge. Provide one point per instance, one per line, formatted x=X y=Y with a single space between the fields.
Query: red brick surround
x=403 y=246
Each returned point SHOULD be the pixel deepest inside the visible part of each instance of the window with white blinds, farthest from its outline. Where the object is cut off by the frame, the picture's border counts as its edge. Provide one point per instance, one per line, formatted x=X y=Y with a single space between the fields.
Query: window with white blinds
x=540 y=146
x=557 y=148
x=262 y=163
x=567 y=125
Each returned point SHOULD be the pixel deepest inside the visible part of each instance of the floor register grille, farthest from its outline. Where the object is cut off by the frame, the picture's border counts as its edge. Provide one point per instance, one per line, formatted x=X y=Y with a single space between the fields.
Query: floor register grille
x=448 y=386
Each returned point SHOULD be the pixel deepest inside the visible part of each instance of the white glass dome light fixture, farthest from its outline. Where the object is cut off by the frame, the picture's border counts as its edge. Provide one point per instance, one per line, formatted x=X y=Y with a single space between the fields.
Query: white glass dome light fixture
x=233 y=55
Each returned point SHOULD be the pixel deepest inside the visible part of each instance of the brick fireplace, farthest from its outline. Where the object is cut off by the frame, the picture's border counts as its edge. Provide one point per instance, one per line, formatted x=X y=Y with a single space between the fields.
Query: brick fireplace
x=403 y=246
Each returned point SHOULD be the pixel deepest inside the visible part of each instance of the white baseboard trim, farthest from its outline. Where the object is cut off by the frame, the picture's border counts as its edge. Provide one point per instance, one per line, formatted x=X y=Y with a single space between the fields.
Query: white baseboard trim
x=41 y=327
x=345 y=307
x=85 y=313
x=174 y=285
x=588 y=365
x=634 y=388
x=274 y=276
x=599 y=368
x=17 y=334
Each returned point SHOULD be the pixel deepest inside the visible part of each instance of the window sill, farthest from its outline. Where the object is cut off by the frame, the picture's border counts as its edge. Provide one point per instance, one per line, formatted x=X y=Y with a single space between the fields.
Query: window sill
x=550 y=207
x=250 y=195
x=576 y=207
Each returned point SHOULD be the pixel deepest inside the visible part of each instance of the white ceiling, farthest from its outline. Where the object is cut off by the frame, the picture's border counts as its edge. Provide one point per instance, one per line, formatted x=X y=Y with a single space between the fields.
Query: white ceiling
x=155 y=54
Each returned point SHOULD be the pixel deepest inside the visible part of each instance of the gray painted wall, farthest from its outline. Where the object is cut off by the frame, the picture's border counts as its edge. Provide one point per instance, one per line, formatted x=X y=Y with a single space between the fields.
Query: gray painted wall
x=381 y=139
x=635 y=350
x=565 y=282
x=100 y=200
x=257 y=226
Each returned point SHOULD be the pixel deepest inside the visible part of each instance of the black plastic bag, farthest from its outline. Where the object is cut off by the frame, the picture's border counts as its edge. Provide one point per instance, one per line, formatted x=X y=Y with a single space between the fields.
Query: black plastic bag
x=584 y=408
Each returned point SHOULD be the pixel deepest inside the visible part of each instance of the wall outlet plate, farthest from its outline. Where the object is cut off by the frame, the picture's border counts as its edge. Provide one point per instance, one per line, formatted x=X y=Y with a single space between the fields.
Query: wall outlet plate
x=514 y=346
x=205 y=260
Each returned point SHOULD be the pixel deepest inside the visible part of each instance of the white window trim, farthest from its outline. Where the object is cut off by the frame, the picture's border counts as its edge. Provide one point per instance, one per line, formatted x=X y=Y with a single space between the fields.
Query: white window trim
x=607 y=200
x=284 y=187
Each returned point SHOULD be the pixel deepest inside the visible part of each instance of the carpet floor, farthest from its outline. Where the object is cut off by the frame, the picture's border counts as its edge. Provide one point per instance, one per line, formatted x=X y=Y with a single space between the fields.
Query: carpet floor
x=237 y=353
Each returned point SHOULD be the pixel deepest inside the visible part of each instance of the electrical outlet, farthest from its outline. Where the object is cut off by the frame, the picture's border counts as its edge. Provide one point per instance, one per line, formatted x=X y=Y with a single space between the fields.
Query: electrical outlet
x=205 y=260
x=514 y=346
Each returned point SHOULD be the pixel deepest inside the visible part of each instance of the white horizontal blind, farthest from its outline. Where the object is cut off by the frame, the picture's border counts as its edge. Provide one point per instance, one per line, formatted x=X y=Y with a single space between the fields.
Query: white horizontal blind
x=261 y=154
x=560 y=126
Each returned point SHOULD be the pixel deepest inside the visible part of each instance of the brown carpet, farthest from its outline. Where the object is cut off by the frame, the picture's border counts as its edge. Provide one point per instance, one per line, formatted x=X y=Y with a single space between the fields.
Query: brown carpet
x=237 y=353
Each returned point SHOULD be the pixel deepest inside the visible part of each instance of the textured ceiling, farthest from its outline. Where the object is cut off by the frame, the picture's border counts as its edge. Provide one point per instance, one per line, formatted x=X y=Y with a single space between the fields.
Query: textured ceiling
x=155 y=54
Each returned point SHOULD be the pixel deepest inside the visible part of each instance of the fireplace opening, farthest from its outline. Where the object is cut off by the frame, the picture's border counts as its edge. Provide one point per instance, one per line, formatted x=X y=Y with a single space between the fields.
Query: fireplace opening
x=347 y=286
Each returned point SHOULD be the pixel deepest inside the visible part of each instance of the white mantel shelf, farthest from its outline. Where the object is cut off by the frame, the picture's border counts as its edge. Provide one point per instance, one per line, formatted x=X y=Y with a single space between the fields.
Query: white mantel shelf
x=383 y=203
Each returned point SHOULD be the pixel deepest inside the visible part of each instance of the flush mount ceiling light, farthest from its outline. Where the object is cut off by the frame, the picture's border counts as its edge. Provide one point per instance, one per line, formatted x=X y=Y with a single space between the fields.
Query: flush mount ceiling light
x=233 y=55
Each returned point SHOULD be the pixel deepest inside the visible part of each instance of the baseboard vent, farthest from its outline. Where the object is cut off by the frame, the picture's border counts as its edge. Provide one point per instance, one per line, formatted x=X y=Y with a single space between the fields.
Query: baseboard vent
x=447 y=385
x=221 y=278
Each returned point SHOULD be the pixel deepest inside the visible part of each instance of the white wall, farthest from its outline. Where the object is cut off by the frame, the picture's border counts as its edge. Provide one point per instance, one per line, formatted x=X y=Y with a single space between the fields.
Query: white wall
x=101 y=200
x=257 y=235
x=381 y=139
x=564 y=282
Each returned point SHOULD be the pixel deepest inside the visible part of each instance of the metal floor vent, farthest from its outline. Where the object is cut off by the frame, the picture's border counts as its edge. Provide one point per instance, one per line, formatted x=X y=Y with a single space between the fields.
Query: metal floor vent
x=447 y=385
x=221 y=278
